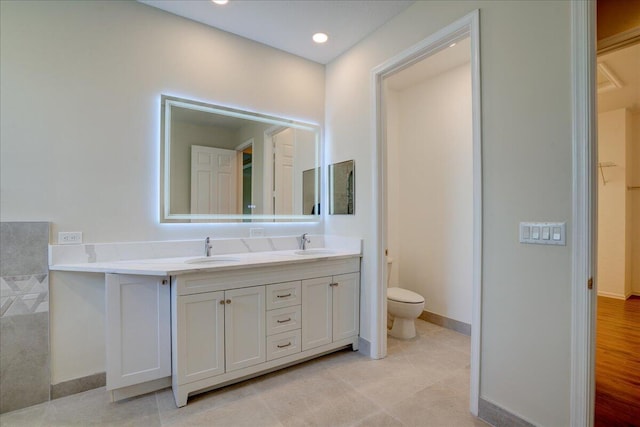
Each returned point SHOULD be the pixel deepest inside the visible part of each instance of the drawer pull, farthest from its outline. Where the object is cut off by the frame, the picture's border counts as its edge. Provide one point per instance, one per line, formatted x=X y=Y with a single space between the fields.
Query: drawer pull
x=284 y=321
x=285 y=345
x=333 y=284
x=284 y=296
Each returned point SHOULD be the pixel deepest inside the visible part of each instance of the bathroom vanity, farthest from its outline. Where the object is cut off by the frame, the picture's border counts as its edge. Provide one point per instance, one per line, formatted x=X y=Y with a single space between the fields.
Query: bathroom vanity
x=197 y=323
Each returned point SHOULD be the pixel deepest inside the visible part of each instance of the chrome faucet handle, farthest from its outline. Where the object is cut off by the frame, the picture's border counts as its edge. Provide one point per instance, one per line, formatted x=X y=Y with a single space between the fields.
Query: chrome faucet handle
x=303 y=241
x=207 y=247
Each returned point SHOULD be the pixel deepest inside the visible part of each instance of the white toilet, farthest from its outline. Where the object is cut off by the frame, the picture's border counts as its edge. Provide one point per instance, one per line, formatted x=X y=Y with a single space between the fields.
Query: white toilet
x=405 y=306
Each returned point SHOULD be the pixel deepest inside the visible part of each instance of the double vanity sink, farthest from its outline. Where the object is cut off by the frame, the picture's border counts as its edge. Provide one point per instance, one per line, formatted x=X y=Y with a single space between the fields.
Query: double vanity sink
x=200 y=322
x=220 y=259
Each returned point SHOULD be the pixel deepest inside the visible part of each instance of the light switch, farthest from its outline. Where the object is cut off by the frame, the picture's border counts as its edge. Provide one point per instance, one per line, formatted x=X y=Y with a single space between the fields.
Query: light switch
x=545 y=233
x=535 y=233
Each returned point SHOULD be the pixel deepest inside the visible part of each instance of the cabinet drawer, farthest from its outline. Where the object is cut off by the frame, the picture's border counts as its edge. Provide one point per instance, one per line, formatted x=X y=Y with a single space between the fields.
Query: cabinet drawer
x=283 y=295
x=283 y=320
x=283 y=344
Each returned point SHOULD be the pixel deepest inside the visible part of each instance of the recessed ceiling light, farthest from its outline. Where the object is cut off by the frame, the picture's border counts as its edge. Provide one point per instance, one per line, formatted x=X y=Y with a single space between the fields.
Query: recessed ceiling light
x=452 y=45
x=220 y=1
x=320 y=37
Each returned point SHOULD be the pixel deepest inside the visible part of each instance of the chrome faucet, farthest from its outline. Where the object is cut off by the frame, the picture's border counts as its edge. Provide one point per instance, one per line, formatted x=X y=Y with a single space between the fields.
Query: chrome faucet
x=207 y=247
x=303 y=241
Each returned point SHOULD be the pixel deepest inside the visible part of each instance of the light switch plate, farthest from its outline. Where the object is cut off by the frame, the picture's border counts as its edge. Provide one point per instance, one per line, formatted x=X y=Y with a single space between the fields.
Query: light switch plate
x=546 y=233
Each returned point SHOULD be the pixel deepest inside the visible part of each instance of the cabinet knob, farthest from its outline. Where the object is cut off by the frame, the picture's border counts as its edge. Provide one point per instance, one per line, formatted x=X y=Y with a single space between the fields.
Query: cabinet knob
x=228 y=301
x=164 y=281
x=221 y=302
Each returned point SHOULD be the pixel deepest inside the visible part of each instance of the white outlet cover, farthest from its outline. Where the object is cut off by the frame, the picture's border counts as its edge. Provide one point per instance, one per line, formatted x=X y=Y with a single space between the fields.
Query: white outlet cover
x=70 y=237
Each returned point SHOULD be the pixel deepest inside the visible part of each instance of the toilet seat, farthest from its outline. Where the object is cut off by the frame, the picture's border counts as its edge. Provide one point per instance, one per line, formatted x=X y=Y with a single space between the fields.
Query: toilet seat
x=404 y=295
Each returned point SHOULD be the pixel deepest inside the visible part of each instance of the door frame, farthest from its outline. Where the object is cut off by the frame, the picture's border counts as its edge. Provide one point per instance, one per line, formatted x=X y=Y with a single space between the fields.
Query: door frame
x=468 y=25
x=584 y=211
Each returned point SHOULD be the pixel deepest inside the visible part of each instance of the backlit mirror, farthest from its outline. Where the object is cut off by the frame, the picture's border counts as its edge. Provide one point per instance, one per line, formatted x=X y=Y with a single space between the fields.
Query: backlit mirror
x=342 y=192
x=220 y=164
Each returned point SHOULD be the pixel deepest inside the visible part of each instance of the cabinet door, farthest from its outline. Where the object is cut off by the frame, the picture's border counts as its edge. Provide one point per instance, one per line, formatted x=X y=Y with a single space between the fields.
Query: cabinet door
x=200 y=336
x=316 y=312
x=346 y=305
x=245 y=330
x=138 y=329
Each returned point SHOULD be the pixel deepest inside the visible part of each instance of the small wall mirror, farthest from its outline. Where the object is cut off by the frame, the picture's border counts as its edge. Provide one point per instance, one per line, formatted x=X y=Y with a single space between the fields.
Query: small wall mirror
x=220 y=164
x=342 y=188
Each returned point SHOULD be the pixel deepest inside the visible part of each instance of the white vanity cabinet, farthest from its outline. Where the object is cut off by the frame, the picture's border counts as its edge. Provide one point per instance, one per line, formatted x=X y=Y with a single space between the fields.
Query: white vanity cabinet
x=138 y=334
x=219 y=332
x=234 y=324
x=330 y=307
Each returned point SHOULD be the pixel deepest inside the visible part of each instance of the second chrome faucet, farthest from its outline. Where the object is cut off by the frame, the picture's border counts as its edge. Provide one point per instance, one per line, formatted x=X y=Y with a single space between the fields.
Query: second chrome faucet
x=303 y=241
x=207 y=247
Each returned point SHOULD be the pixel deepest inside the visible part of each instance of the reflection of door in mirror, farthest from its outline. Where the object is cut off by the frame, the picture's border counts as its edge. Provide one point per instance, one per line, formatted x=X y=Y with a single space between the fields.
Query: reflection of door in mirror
x=245 y=176
x=213 y=180
x=283 y=158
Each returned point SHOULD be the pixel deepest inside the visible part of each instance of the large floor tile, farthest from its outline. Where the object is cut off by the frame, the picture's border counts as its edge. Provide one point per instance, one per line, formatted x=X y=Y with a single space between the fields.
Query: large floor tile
x=422 y=382
x=93 y=408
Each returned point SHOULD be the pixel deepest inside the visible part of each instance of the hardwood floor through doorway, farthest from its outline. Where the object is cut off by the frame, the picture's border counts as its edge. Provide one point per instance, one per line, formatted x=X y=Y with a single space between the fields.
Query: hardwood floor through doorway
x=618 y=362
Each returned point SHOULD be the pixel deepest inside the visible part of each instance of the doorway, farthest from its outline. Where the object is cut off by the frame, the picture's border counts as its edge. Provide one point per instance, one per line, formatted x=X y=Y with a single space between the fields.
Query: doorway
x=617 y=364
x=467 y=27
x=584 y=202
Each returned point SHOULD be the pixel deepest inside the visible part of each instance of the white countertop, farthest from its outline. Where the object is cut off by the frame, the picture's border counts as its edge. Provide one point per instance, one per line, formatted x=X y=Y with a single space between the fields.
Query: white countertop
x=181 y=265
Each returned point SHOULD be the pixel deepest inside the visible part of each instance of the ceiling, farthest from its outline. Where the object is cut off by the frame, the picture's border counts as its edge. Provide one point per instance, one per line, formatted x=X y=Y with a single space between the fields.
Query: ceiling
x=289 y=24
x=619 y=79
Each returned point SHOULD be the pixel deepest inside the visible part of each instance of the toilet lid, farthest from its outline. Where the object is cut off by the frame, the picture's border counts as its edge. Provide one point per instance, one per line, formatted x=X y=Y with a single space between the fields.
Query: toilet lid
x=404 y=295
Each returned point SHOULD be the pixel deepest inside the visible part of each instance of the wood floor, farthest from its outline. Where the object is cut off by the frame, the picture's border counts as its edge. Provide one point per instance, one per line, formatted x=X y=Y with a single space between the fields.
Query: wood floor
x=618 y=362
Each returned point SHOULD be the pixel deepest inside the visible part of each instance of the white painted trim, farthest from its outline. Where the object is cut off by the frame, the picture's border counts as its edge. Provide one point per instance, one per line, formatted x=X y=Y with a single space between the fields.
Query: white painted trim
x=584 y=206
x=618 y=41
x=469 y=25
x=613 y=295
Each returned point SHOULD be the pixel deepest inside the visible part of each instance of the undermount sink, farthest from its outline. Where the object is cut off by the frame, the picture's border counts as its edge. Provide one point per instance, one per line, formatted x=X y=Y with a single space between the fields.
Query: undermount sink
x=315 y=251
x=211 y=259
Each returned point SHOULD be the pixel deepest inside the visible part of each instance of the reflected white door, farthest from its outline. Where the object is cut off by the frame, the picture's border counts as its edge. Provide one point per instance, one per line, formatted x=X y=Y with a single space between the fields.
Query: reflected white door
x=284 y=153
x=213 y=180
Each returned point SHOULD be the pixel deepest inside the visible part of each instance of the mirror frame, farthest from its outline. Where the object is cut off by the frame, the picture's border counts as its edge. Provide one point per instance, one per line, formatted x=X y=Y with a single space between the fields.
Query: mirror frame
x=167 y=101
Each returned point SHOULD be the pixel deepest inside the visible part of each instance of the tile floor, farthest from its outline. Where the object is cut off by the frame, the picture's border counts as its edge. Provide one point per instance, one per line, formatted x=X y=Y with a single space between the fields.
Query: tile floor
x=422 y=382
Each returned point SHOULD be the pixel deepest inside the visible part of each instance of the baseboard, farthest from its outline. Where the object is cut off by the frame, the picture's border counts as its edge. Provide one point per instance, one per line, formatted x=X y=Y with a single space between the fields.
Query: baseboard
x=364 y=346
x=78 y=385
x=611 y=295
x=445 y=322
x=498 y=417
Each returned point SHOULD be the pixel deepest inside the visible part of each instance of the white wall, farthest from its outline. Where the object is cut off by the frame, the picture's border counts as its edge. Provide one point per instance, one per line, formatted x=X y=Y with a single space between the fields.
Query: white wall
x=526 y=136
x=435 y=201
x=80 y=99
x=613 y=242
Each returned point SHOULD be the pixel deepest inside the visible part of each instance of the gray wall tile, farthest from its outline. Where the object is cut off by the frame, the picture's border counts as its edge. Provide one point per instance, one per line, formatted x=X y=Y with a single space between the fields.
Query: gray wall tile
x=23 y=248
x=24 y=361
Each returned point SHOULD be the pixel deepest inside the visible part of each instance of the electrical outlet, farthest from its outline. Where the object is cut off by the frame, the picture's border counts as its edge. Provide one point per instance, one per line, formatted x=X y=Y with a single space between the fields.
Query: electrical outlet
x=69 y=237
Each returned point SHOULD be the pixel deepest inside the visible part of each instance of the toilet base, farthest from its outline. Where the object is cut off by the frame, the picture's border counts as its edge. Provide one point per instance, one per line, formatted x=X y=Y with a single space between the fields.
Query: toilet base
x=403 y=328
